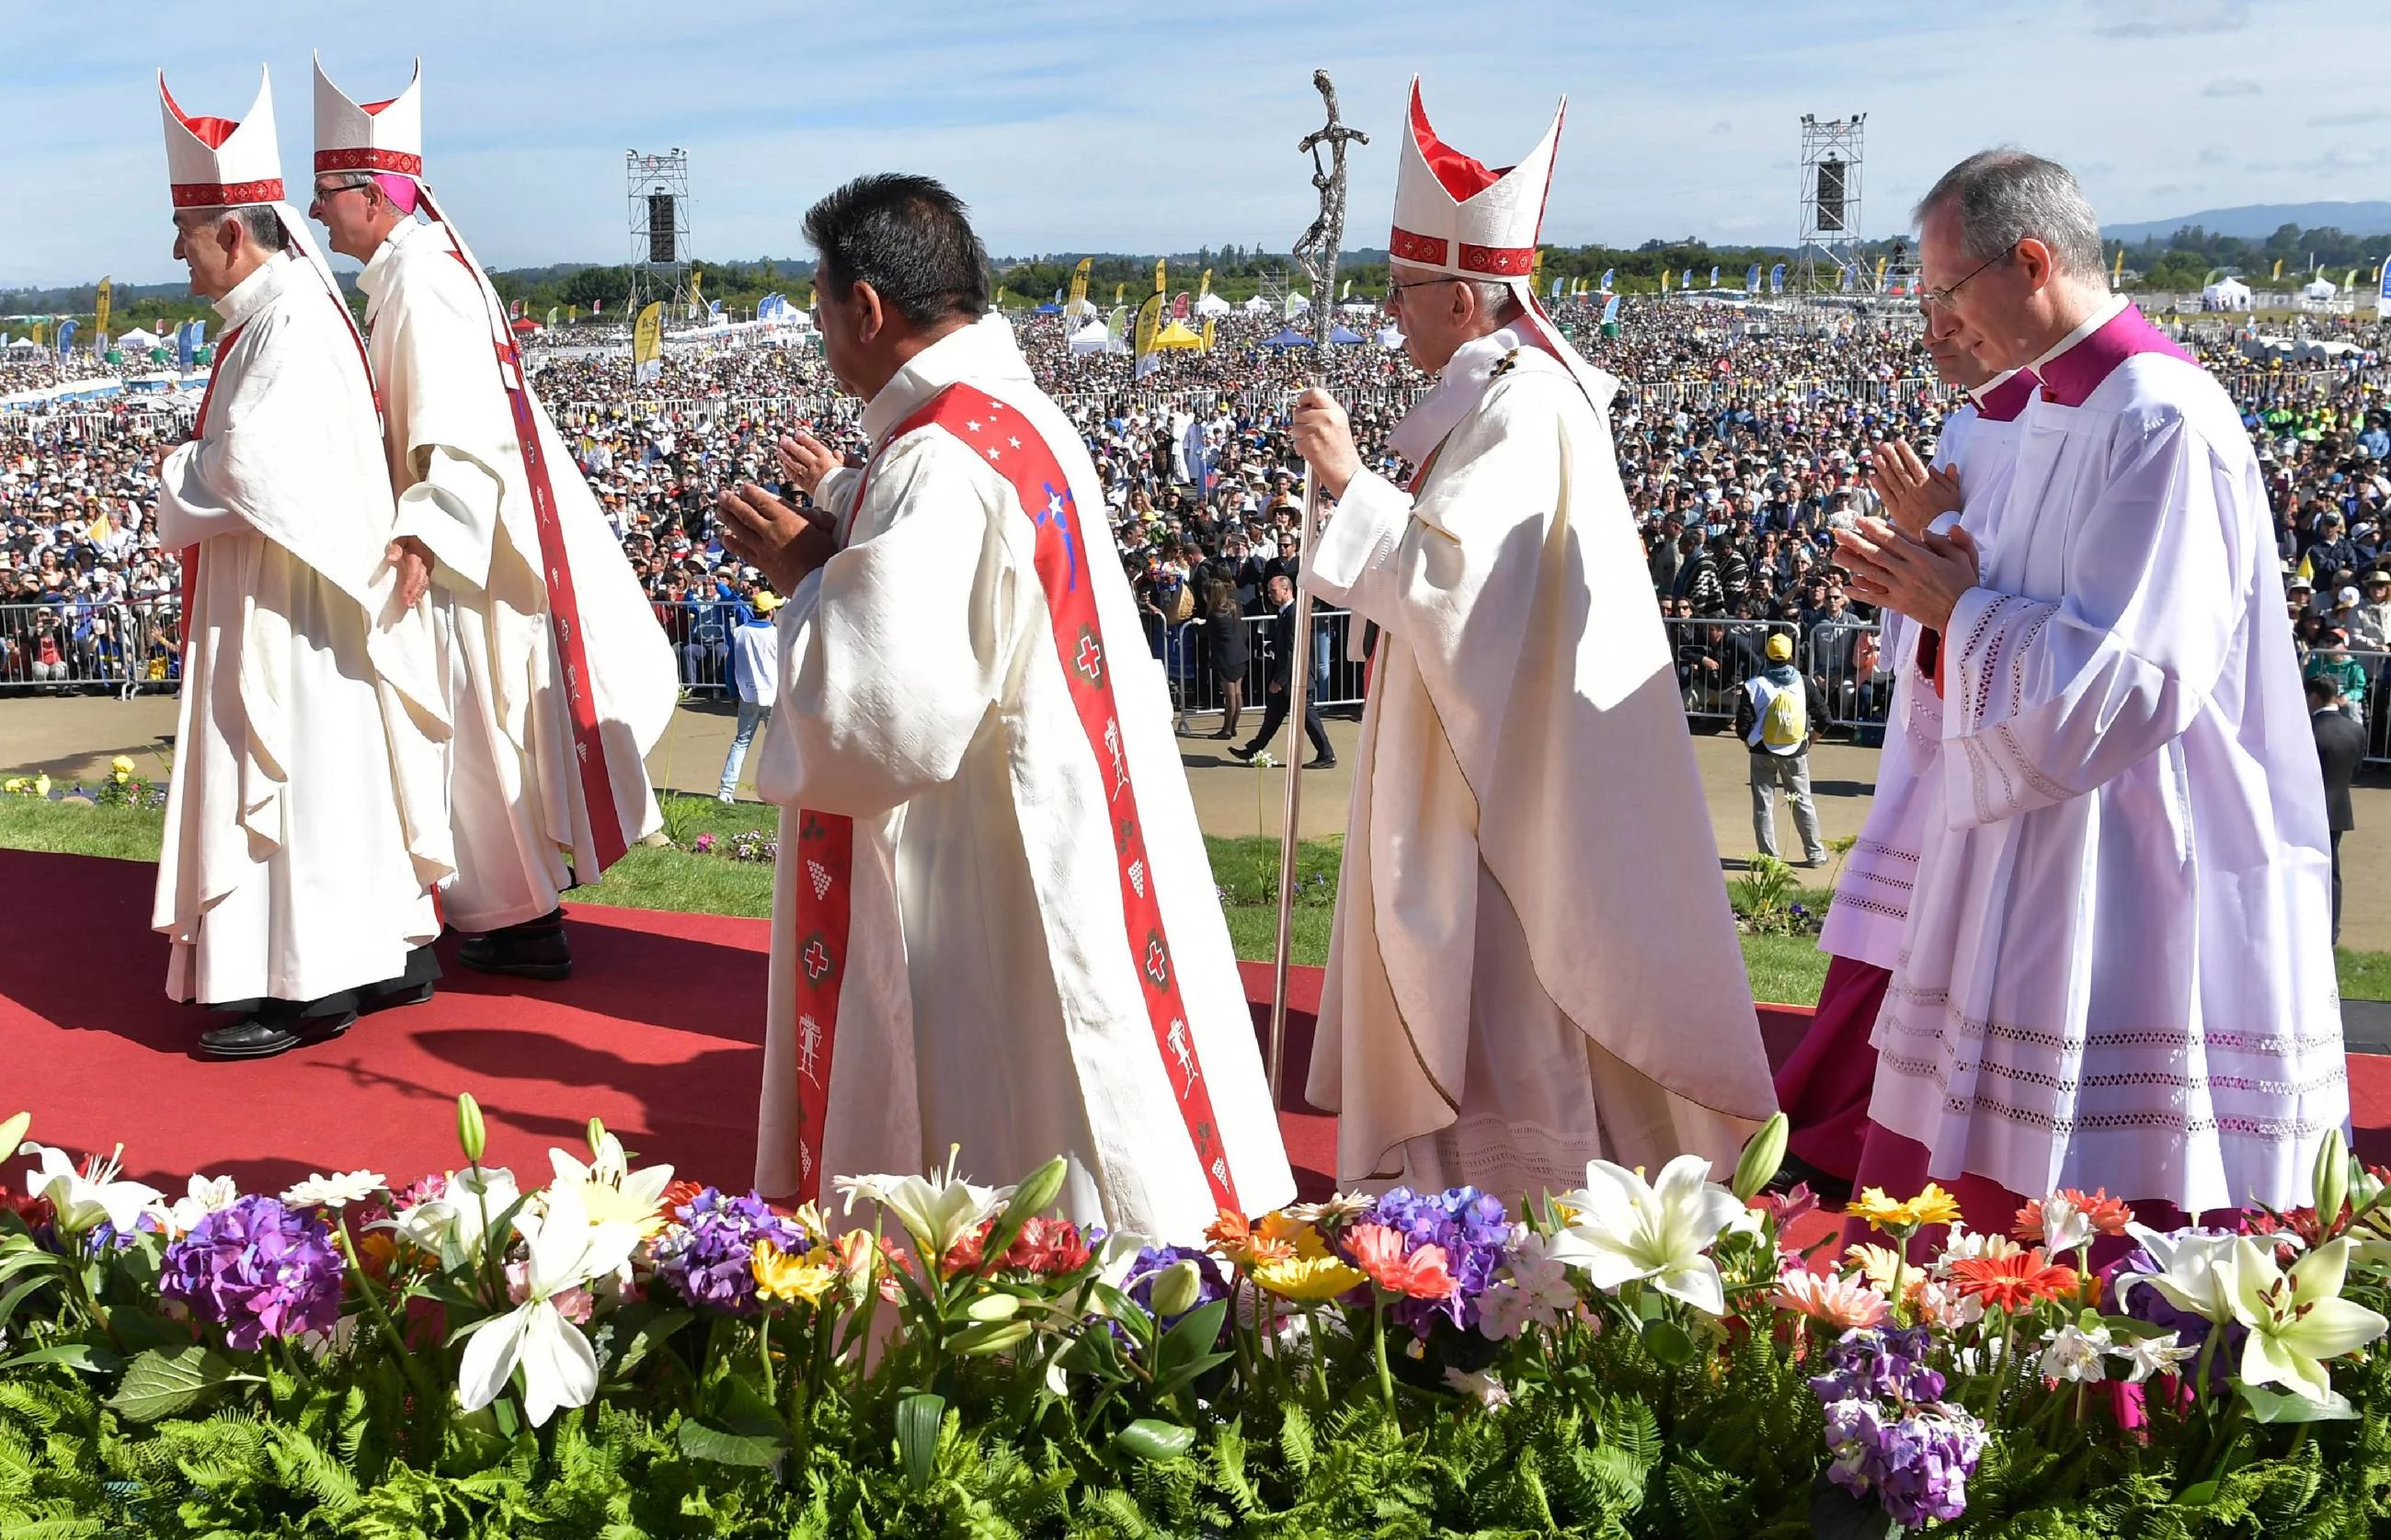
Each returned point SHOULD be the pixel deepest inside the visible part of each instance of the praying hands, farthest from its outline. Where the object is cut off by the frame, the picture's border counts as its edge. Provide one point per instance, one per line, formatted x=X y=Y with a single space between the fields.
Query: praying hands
x=1921 y=576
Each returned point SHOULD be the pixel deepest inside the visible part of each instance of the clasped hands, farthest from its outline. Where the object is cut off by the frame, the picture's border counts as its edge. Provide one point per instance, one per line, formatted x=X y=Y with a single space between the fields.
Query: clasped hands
x=1901 y=563
x=784 y=543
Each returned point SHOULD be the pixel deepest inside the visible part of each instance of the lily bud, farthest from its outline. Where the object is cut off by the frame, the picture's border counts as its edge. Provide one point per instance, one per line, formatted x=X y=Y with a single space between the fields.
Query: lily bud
x=12 y=1133
x=1176 y=1289
x=1037 y=1193
x=1761 y=1157
x=596 y=1137
x=2330 y=1184
x=470 y=1131
x=994 y=1307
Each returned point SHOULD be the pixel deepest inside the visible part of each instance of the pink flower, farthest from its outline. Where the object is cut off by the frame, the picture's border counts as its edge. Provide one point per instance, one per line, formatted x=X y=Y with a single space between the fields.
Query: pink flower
x=1379 y=1253
x=574 y=1303
x=1843 y=1303
x=1786 y=1207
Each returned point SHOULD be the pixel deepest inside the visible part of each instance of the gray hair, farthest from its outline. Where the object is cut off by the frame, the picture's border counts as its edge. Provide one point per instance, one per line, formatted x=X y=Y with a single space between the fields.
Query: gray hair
x=2003 y=196
x=264 y=225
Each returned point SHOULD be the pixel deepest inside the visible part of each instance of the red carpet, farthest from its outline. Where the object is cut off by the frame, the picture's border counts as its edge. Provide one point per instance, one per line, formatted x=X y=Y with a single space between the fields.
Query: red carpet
x=659 y=1032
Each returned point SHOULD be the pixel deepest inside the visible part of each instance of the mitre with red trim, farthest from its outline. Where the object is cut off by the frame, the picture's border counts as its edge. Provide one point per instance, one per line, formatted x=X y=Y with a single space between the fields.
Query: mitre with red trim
x=384 y=136
x=220 y=163
x=1453 y=215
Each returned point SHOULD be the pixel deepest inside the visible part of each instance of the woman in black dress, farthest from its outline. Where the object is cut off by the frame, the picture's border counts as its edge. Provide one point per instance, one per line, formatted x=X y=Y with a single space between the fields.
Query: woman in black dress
x=1229 y=651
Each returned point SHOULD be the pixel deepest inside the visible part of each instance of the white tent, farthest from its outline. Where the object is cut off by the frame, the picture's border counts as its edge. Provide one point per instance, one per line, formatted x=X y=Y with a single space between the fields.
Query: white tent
x=2226 y=294
x=1212 y=304
x=137 y=338
x=1358 y=307
x=1089 y=338
x=2320 y=288
x=1257 y=306
x=1389 y=337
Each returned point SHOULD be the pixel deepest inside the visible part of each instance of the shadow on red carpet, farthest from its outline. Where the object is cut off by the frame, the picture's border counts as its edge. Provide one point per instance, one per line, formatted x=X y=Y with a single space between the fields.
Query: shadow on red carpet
x=659 y=1031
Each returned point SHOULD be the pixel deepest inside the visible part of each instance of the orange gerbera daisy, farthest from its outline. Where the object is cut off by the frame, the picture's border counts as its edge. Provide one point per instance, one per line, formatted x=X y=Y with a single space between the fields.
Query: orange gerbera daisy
x=2015 y=1282
x=1378 y=1251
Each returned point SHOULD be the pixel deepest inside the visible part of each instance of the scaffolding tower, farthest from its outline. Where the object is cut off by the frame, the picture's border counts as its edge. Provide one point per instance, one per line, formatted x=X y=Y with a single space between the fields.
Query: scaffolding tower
x=656 y=188
x=1833 y=155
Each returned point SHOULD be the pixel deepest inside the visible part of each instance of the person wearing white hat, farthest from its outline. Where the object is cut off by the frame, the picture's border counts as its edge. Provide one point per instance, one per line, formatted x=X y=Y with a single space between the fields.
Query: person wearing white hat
x=558 y=675
x=1532 y=961
x=303 y=824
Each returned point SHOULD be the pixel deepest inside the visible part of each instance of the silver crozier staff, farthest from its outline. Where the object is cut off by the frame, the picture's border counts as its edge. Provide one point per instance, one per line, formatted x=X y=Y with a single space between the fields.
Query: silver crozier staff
x=1316 y=253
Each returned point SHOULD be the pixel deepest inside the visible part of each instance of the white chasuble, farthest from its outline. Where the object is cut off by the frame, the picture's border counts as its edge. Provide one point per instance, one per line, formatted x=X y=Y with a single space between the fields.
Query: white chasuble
x=303 y=822
x=994 y=922
x=1871 y=902
x=1532 y=962
x=2117 y=972
x=520 y=789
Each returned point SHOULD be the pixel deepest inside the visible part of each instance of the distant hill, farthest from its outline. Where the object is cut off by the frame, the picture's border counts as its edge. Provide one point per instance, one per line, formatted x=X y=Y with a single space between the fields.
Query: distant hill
x=2257 y=221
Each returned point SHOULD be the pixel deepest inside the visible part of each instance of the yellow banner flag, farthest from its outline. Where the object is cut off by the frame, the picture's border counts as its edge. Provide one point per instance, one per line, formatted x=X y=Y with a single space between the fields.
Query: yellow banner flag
x=1208 y=333
x=1118 y=289
x=107 y=292
x=648 y=335
x=1000 y=296
x=2279 y=267
x=1149 y=323
x=2117 y=268
x=1079 y=283
x=1160 y=280
x=1205 y=288
x=697 y=299
x=1880 y=274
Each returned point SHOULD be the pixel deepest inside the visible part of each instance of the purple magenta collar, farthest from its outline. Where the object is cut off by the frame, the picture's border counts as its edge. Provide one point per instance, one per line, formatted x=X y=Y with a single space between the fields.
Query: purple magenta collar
x=2070 y=379
x=2005 y=400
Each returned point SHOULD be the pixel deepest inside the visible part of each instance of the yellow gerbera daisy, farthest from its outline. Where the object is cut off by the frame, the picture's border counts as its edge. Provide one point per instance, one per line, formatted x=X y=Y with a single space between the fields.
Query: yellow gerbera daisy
x=781 y=1277
x=1307 y=1278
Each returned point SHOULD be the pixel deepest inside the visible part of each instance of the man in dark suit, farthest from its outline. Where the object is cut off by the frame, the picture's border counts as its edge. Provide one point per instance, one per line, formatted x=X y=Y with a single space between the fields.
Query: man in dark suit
x=2341 y=748
x=1284 y=651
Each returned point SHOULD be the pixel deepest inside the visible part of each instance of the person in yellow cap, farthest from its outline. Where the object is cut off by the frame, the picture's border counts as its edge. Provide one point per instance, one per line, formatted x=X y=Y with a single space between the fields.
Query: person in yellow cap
x=754 y=678
x=1778 y=718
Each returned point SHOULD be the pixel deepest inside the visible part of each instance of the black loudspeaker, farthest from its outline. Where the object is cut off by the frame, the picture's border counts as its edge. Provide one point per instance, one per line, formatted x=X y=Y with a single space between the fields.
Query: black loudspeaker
x=660 y=226
x=1831 y=194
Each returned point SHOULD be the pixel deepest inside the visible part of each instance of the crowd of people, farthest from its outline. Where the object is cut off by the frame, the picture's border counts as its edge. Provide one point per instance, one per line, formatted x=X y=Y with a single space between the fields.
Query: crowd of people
x=1744 y=441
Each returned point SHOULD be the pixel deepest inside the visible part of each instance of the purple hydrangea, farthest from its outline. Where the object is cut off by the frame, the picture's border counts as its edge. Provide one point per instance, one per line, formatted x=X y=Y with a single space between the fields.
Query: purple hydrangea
x=1472 y=1228
x=257 y=1269
x=1916 y=1462
x=1888 y=1429
x=1153 y=1261
x=1871 y=1364
x=709 y=1255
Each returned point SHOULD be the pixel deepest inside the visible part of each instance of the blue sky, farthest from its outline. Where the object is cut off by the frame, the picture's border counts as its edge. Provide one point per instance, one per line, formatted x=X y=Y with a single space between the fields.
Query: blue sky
x=1095 y=130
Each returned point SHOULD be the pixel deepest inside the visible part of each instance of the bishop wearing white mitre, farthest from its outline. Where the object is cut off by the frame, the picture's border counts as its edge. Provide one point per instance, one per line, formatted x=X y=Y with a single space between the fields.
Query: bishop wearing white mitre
x=2117 y=970
x=994 y=925
x=303 y=826
x=557 y=676
x=1533 y=963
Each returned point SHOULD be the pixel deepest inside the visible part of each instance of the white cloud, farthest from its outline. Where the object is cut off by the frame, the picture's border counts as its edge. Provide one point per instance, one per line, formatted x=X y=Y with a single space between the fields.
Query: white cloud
x=2232 y=87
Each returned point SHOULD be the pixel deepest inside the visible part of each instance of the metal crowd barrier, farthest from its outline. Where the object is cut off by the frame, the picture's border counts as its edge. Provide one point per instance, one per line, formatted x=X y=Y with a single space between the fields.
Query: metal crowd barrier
x=1716 y=656
x=83 y=649
x=1195 y=683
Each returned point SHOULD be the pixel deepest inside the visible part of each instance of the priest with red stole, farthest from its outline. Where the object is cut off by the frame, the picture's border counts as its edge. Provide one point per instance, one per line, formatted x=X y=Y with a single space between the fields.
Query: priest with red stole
x=2116 y=971
x=558 y=675
x=1824 y=1085
x=994 y=925
x=1532 y=964
x=304 y=824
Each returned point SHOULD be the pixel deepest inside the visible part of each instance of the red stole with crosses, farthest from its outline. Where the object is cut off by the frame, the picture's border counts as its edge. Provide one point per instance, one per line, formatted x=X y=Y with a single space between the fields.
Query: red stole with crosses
x=825 y=850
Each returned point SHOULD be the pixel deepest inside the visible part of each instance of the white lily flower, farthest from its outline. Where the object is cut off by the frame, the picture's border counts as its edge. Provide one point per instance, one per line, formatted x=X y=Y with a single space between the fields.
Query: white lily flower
x=2151 y=1356
x=610 y=1188
x=206 y=1195
x=450 y=1225
x=82 y=1197
x=1622 y=1229
x=2195 y=1271
x=2298 y=1321
x=2064 y=1226
x=2076 y=1355
x=938 y=1211
x=335 y=1191
x=1482 y=1385
x=558 y=1365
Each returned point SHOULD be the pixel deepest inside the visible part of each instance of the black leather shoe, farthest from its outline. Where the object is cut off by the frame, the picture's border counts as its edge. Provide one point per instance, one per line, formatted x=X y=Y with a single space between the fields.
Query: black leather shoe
x=1324 y=763
x=276 y=1027
x=1240 y=751
x=536 y=949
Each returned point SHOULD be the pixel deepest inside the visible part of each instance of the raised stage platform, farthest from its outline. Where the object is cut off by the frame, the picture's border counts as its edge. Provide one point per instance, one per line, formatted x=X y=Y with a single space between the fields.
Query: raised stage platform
x=659 y=1031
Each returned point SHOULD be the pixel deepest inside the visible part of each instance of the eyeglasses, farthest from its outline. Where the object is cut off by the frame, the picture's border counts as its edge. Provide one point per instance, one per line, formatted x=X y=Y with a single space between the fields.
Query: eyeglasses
x=335 y=189
x=1941 y=297
x=1395 y=290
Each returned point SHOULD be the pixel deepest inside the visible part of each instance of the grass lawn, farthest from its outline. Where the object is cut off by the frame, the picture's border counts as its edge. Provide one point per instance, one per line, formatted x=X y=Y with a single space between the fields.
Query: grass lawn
x=1786 y=970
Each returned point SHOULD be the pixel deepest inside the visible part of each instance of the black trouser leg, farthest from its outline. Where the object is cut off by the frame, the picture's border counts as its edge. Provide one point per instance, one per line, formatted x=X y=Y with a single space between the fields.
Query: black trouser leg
x=1316 y=731
x=2336 y=884
x=1274 y=713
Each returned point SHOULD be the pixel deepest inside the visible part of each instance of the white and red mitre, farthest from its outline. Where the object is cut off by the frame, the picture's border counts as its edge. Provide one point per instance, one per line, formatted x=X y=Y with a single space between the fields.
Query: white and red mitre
x=1455 y=215
x=219 y=164
x=384 y=136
